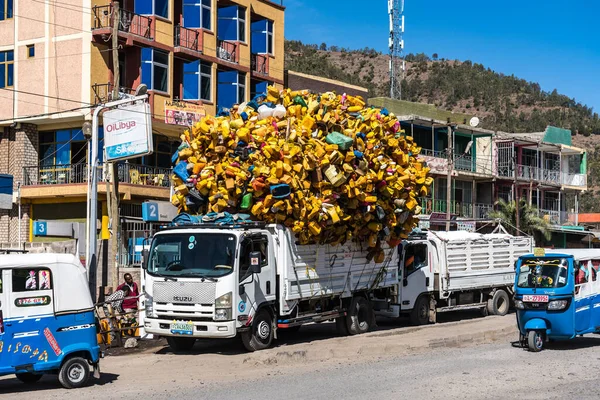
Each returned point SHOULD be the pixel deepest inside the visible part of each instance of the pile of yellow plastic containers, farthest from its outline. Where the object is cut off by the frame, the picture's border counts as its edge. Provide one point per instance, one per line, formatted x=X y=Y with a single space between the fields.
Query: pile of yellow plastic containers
x=324 y=165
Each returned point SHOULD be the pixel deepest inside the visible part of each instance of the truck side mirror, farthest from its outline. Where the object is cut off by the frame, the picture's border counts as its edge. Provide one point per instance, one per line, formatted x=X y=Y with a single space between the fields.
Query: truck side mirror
x=145 y=258
x=404 y=282
x=242 y=290
x=255 y=262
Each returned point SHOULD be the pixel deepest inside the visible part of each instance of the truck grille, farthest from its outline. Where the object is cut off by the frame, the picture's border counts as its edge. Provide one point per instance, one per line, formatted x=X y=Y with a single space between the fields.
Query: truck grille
x=184 y=292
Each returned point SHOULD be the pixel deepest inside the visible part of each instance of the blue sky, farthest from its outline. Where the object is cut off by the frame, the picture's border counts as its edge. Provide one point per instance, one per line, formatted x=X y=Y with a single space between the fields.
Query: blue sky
x=555 y=43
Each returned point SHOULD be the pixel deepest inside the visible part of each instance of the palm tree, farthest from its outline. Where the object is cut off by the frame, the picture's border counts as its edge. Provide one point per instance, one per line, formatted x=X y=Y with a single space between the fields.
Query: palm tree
x=530 y=221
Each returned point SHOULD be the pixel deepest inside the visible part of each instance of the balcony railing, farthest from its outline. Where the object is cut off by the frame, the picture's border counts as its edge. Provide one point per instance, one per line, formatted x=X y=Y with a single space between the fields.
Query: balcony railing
x=433 y=153
x=227 y=51
x=460 y=209
x=574 y=180
x=188 y=38
x=129 y=22
x=103 y=91
x=77 y=173
x=260 y=64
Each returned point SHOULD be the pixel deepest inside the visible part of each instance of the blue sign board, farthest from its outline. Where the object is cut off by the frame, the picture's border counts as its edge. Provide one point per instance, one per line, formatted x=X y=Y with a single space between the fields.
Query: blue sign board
x=6 y=192
x=158 y=211
x=40 y=228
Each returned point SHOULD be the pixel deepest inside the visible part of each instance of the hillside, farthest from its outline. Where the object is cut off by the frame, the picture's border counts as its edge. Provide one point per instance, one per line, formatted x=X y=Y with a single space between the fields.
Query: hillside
x=501 y=102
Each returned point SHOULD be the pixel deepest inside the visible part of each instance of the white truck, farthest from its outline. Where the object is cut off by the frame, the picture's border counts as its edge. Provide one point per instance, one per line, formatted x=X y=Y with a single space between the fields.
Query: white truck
x=456 y=270
x=252 y=279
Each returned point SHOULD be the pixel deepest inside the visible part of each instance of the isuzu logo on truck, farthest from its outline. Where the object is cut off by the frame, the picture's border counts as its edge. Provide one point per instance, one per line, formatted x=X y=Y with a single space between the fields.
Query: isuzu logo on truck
x=182 y=299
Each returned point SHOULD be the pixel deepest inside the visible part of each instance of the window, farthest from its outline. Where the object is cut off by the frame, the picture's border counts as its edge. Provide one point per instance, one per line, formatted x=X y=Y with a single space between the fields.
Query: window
x=24 y=280
x=196 y=14
x=164 y=148
x=232 y=23
x=197 y=80
x=63 y=147
x=30 y=51
x=6 y=9
x=231 y=88
x=415 y=258
x=152 y=7
x=6 y=67
x=257 y=87
x=262 y=37
x=248 y=246
x=155 y=69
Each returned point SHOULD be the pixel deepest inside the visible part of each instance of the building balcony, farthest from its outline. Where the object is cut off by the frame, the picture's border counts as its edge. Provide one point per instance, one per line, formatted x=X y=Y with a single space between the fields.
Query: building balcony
x=188 y=42
x=459 y=209
x=71 y=180
x=132 y=26
x=260 y=64
x=228 y=51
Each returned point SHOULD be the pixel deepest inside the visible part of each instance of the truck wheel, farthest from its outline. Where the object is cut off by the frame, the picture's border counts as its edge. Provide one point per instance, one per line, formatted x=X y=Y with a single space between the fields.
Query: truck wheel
x=360 y=316
x=499 y=303
x=74 y=373
x=180 y=343
x=420 y=313
x=28 y=377
x=535 y=341
x=342 y=326
x=260 y=336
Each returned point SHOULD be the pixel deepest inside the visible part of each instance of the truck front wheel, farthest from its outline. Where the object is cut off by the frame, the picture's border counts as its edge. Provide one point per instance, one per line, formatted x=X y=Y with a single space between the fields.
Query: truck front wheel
x=420 y=313
x=260 y=335
x=180 y=343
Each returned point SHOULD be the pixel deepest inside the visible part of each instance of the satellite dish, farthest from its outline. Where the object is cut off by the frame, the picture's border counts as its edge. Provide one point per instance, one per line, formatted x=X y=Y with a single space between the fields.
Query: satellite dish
x=474 y=122
x=141 y=90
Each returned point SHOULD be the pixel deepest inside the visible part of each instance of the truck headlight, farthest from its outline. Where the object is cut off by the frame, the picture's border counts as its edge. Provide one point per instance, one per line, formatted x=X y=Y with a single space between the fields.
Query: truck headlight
x=519 y=304
x=223 y=301
x=223 y=310
x=555 y=305
x=149 y=306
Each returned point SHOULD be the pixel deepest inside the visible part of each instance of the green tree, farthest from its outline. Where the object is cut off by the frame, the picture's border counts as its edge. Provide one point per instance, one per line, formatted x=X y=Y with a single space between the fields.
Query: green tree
x=530 y=221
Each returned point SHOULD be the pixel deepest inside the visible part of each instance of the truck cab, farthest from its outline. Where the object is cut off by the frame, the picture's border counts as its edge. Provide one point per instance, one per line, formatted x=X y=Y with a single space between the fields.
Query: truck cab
x=209 y=282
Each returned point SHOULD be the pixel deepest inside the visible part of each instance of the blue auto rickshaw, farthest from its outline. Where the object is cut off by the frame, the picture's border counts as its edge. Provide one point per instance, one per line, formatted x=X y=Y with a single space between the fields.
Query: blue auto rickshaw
x=557 y=295
x=47 y=319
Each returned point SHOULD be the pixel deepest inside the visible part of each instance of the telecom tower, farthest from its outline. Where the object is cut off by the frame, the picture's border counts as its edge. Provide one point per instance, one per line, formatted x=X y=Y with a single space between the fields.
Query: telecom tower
x=396 y=13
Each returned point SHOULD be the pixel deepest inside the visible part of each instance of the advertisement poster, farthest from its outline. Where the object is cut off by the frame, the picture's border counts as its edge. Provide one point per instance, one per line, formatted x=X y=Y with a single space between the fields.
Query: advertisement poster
x=183 y=113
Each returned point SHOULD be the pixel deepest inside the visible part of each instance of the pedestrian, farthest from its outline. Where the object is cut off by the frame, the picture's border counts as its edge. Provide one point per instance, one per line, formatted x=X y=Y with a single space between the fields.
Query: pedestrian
x=130 y=303
x=113 y=308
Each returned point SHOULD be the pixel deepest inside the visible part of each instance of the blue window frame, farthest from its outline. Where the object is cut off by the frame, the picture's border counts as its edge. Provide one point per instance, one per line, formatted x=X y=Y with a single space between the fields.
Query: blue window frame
x=196 y=14
x=231 y=88
x=152 y=7
x=155 y=69
x=6 y=9
x=7 y=70
x=262 y=37
x=30 y=51
x=65 y=147
x=232 y=23
x=258 y=87
x=197 y=80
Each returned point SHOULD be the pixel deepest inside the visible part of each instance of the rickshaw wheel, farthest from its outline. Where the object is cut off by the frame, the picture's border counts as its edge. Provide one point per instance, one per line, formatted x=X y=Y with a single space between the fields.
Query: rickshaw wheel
x=535 y=341
x=28 y=377
x=74 y=373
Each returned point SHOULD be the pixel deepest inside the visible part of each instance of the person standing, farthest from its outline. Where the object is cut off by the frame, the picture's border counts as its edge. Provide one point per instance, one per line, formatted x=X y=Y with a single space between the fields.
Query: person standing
x=131 y=301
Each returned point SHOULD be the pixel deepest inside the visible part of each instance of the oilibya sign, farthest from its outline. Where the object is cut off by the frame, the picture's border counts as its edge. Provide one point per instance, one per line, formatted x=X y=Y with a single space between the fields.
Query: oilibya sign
x=128 y=132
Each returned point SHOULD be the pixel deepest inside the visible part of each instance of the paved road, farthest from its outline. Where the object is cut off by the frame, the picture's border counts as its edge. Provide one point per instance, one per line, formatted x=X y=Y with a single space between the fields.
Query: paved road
x=494 y=370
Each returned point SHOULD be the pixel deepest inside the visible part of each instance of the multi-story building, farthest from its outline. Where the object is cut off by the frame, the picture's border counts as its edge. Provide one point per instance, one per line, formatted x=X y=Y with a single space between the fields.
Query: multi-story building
x=56 y=62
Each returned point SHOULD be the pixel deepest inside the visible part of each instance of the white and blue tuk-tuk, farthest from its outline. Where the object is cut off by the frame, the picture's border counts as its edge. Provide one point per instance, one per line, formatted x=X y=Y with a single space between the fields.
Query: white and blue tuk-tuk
x=47 y=319
x=557 y=295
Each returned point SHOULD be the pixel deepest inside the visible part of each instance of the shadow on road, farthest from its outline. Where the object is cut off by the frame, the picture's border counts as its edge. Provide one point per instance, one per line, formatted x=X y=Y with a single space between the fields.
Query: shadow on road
x=309 y=333
x=48 y=382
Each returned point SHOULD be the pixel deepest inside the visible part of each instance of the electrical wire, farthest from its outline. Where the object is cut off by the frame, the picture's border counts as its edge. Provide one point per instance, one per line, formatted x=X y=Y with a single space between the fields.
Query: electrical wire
x=45 y=96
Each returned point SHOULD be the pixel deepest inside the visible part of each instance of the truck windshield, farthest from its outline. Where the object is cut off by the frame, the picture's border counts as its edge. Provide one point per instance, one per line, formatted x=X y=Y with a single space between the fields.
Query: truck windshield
x=543 y=273
x=195 y=254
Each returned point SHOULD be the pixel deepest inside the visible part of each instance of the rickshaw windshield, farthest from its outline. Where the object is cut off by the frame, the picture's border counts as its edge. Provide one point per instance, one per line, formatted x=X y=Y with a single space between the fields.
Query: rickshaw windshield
x=543 y=273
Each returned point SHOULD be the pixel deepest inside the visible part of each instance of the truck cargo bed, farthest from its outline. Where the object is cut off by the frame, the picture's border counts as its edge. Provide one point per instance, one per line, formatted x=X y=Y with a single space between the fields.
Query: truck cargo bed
x=314 y=271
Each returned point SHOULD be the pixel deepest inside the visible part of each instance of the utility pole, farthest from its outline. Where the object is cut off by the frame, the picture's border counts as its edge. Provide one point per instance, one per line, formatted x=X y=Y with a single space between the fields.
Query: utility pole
x=113 y=204
x=516 y=192
x=449 y=177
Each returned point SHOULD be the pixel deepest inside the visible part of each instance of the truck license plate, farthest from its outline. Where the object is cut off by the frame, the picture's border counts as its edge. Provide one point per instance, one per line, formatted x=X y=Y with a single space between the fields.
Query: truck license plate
x=535 y=298
x=182 y=328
